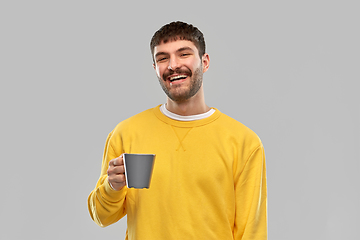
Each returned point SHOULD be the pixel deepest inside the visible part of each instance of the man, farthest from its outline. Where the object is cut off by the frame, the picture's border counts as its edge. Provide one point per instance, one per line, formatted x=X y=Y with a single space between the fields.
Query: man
x=209 y=179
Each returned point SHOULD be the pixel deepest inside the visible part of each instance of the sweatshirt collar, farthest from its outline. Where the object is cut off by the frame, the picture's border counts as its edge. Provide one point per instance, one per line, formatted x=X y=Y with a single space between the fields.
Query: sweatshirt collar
x=174 y=116
x=215 y=114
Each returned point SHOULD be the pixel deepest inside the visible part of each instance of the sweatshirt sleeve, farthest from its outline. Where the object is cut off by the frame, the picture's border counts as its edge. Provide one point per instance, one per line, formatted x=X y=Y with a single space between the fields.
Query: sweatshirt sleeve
x=251 y=198
x=106 y=206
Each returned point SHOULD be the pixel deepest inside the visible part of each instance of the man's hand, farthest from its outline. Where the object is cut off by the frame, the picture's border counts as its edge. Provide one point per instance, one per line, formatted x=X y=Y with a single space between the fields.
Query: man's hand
x=116 y=173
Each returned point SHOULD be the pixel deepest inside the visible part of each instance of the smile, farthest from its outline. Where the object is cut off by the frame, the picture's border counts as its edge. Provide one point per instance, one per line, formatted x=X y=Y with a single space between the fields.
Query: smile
x=178 y=77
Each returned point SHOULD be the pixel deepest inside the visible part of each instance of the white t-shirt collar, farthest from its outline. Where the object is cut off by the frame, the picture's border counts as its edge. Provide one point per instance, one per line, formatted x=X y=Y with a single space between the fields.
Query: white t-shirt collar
x=185 y=118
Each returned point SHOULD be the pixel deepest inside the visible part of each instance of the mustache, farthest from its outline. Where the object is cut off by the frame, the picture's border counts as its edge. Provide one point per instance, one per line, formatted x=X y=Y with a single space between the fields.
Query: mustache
x=177 y=71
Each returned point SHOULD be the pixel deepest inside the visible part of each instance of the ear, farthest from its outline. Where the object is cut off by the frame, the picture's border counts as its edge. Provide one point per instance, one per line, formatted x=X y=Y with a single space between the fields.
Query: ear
x=156 y=70
x=205 y=62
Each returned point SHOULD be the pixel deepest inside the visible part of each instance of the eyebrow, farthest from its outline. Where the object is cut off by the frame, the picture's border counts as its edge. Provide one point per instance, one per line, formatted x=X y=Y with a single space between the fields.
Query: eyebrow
x=179 y=50
x=185 y=49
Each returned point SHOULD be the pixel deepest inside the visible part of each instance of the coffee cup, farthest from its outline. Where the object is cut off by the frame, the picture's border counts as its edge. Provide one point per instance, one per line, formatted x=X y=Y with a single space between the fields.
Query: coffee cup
x=138 y=169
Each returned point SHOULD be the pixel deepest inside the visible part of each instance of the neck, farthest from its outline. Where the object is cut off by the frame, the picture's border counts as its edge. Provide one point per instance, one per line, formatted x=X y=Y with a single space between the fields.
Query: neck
x=193 y=106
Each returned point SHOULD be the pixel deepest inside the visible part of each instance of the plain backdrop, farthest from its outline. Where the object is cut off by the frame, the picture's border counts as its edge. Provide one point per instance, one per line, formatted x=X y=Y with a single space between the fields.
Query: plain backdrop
x=71 y=70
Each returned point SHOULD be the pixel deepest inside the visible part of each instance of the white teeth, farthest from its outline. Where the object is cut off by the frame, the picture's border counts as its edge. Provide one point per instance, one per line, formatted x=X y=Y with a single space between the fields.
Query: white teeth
x=177 y=77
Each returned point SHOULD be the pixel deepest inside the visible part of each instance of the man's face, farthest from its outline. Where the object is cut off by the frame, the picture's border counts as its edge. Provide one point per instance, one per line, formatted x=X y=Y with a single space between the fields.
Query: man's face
x=179 y=69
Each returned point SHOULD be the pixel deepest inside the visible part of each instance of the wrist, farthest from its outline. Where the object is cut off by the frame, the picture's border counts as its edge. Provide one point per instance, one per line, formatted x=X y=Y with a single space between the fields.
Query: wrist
x=112 y=186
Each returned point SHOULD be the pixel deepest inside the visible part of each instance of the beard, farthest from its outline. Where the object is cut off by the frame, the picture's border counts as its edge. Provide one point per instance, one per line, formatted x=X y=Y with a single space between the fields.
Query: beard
x=177 y=93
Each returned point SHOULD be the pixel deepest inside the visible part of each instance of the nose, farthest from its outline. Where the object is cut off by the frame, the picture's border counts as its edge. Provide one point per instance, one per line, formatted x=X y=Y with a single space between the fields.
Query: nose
x=173 y=64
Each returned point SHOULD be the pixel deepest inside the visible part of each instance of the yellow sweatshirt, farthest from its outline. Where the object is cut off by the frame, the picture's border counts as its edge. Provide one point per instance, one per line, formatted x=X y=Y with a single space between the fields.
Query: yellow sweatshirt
x=208 y=182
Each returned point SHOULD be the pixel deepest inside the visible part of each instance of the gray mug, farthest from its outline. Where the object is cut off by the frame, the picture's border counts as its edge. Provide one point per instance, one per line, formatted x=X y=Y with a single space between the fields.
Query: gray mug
x=138 y=169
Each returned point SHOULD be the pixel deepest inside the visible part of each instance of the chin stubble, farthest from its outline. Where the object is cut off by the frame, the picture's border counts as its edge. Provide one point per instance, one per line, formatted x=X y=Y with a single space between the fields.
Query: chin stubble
x=195 y=85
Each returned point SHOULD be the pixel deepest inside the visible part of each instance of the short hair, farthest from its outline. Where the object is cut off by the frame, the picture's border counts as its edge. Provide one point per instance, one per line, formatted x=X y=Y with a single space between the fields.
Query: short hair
x=178 y=31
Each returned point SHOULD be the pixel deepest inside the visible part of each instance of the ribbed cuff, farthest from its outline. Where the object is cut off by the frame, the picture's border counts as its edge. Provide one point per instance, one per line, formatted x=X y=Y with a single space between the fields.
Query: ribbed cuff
x=111 y=193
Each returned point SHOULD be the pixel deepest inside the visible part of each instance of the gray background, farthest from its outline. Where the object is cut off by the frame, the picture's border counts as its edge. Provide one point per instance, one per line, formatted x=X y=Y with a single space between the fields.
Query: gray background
x=71 y=70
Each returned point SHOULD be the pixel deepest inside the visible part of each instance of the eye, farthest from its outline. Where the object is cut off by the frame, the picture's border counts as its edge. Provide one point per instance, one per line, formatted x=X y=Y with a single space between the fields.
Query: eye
x=161 y=59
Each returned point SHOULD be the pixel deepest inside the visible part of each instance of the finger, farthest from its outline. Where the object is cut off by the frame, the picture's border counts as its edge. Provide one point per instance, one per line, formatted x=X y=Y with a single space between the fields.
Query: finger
x=115 y=169
x=111 y=162
x=118 y=161
x=117 y=179
x=120 y=178
x=119 y=169
x=114 y=162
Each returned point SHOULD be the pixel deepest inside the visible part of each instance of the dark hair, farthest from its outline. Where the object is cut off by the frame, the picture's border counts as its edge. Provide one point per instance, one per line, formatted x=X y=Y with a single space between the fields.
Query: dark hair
x=178 y=31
